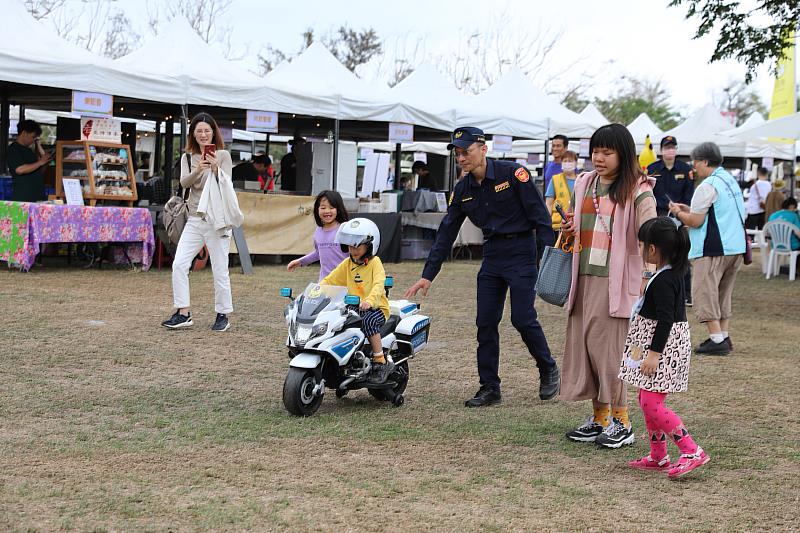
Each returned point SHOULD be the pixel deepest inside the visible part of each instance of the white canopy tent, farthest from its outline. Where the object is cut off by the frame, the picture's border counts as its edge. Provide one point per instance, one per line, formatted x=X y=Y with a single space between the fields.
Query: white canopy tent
x=317 y=84
x=594 y=116
x=787 y=127
x=515 y=106
x=641 y=127
x=430 y=99
x=703 y=125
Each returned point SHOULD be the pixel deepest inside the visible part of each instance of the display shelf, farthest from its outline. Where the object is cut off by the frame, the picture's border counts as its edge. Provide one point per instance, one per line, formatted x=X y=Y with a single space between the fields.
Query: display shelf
x=106 y=169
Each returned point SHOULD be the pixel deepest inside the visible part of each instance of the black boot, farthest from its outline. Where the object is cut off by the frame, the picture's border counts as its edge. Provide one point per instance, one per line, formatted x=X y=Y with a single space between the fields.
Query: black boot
x=549 y=383
x=486 y=395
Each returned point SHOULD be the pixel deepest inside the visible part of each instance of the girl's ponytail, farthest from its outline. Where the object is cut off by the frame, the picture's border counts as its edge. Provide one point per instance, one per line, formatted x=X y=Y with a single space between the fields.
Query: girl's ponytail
x=680 y=256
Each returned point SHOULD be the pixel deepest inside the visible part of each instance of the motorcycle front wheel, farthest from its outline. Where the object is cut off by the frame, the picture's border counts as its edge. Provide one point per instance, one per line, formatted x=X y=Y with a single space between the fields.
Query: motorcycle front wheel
x=298 y=392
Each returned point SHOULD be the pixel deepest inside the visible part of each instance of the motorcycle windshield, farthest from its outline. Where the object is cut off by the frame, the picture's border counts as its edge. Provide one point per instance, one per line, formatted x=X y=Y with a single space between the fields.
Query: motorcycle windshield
x=318 y=298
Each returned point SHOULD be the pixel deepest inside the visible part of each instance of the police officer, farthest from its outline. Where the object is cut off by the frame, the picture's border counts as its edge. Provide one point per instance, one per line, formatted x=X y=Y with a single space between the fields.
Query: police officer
x=673 y=178
x=500 y=198
x=674 y=182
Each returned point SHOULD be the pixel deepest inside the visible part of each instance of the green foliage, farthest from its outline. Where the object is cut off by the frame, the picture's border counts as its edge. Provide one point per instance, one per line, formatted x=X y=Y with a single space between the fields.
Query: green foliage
x=640 y=96
x=741 y=36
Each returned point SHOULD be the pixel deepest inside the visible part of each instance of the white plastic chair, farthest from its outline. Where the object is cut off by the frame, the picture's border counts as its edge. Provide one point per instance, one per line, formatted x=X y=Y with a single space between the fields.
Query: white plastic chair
x=759 y=242
x=781 y=233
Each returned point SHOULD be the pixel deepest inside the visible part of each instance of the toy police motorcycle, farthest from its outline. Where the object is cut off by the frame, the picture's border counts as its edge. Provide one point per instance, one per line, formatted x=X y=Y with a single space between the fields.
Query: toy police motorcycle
x=327 y=347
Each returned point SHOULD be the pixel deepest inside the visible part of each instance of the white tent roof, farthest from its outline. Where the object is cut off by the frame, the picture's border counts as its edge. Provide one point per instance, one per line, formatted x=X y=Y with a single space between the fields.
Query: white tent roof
x=703 y=125
x=594 y=116
x=180 y=58
x=642 y=126
x=430 y=99
x=33 y=54
x=788 y=127
x=753 y=120
x=316 y=83
x=515 y=106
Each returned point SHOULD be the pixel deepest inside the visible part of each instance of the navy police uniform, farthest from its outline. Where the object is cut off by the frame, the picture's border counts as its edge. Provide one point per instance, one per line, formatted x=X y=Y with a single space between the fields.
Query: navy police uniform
x=675 y=183
x=508 y=207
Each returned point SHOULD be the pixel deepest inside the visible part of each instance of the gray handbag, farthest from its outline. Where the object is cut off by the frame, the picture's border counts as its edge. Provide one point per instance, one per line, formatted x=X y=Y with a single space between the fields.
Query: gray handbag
x=176 y=212
x=555 y=274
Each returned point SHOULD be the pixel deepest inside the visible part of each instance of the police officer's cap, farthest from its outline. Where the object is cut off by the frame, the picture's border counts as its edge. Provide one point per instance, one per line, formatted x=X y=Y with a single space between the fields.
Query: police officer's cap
x=669 y=139
x=465 y=137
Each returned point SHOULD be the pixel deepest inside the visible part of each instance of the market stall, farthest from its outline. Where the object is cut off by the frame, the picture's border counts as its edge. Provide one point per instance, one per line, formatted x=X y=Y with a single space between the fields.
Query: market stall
x=24 y=227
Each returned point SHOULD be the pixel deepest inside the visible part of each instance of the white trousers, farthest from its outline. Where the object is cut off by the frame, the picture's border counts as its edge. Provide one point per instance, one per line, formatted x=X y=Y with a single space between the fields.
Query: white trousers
x=196 y=234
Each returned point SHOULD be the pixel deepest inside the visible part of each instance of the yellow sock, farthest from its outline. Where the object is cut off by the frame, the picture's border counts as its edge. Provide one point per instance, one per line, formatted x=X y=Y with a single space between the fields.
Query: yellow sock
x=379 y=358
x=621 y=414
x=602 y=414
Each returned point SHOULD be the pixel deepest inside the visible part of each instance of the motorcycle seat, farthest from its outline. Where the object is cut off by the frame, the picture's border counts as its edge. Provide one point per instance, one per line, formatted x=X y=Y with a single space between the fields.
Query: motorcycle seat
x=390 y=325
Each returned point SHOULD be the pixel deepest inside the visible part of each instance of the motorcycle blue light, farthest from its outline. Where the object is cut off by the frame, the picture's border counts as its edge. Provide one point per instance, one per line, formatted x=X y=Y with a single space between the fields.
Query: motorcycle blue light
x=389 y=281
x=352 y=299
x=286 y=292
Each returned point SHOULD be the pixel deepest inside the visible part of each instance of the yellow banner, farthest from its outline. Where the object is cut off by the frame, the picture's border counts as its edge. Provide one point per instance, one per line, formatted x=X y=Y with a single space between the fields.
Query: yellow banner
x=784 y=98
x=277 y=224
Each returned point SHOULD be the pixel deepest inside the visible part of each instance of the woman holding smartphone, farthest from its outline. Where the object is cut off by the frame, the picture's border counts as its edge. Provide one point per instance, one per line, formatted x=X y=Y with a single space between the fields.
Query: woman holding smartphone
x=204 y=159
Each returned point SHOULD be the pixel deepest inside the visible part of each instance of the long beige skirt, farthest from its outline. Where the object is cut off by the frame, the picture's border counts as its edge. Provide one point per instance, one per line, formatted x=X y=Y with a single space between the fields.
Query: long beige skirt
x=594 y=347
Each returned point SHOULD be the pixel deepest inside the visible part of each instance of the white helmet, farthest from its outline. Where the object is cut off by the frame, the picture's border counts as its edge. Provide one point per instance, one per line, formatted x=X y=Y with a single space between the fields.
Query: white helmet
x=359 y=231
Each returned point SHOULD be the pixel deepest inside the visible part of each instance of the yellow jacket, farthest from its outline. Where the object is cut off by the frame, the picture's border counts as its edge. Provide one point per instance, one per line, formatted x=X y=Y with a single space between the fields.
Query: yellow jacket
x=365 y=281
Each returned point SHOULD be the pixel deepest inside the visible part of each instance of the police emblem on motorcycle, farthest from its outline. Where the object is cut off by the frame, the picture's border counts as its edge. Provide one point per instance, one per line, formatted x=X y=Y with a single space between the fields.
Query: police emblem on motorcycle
x=315 y=292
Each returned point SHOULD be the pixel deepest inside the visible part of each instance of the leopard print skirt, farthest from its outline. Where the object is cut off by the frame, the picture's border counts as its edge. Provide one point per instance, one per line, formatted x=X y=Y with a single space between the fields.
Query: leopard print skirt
x=672 y=374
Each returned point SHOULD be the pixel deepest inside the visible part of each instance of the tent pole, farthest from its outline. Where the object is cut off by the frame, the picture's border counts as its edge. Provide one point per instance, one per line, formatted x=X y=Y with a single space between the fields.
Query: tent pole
x=184 y=121
x=335 y=152
x=5 y=123
x=545 y=159
x=157 y=150
x=266 y=145
x=169 y=147
x=398 y=153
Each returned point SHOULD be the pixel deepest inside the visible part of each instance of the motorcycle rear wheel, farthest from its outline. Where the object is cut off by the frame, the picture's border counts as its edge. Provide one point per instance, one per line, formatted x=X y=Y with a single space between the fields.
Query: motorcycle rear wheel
x=400 y=375
x=298 y=396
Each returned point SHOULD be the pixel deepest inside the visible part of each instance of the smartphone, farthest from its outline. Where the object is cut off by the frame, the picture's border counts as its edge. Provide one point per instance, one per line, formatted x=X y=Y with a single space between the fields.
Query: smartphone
x=209 y=149
x=561 y=212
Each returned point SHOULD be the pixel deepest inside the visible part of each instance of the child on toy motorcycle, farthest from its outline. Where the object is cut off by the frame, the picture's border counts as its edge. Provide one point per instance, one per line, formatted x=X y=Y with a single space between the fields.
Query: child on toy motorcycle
x=363 y=275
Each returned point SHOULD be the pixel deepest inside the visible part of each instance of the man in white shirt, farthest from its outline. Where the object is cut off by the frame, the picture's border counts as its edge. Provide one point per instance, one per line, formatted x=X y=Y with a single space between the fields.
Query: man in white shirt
x=755 y=202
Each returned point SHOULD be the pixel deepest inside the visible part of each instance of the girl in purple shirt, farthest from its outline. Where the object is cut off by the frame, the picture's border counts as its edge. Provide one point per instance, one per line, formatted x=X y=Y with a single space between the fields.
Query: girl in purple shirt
x=329 y=212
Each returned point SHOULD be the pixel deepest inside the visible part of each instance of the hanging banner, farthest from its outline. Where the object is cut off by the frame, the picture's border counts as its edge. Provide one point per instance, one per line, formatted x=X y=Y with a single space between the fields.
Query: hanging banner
x=262 y=121
x=501 y=143
x=768 y=163
x=533 y=159
x=92 y=104
x=584 y=149
x=101 y=129
x=364 y=153
x=401 y=133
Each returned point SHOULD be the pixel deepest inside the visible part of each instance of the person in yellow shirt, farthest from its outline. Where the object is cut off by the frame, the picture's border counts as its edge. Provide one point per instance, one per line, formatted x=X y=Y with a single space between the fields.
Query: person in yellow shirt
x=560 y=187
x=363 y=275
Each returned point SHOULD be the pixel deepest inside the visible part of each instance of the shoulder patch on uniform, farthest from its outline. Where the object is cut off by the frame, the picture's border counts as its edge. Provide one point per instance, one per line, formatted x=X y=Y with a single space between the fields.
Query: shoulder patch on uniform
x=502 y=186
x=522 y=175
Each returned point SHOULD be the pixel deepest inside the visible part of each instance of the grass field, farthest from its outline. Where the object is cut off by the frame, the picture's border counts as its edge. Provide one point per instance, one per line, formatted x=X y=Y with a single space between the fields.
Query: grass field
x=108 y=422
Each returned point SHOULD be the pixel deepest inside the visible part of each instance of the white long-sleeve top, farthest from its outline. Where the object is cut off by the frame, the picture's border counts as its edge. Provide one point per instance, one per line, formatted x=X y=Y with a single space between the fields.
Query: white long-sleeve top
x=218 y=203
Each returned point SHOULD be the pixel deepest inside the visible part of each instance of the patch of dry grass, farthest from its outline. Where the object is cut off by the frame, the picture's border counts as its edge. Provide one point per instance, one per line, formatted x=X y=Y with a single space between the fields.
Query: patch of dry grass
x=108 y=422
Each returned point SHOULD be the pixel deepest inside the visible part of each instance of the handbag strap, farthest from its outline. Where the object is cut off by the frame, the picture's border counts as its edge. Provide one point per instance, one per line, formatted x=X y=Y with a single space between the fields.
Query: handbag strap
x=186 y=189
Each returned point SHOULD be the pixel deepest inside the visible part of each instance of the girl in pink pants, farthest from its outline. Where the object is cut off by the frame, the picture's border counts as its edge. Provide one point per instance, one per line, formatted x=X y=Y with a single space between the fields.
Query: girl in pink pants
x=658 y=348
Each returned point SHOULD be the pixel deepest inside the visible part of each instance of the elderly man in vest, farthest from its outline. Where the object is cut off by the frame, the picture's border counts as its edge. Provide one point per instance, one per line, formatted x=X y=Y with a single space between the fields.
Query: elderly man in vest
x=716 y=230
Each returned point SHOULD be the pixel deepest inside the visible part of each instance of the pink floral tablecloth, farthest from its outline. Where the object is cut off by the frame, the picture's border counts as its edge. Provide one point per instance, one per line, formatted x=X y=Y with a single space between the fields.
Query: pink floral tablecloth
x=24 y=226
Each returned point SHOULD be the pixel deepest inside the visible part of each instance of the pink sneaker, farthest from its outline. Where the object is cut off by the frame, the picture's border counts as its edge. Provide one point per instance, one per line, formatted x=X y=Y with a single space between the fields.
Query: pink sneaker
x=688 y=462
x=648 y=463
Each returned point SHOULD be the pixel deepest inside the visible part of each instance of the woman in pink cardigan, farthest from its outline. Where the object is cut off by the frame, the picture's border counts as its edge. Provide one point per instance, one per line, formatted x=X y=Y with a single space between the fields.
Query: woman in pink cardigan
x=610 y=204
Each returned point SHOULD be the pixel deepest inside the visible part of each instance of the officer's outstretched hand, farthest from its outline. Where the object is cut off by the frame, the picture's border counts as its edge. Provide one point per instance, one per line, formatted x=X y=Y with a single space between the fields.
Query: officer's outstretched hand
x=421 y=285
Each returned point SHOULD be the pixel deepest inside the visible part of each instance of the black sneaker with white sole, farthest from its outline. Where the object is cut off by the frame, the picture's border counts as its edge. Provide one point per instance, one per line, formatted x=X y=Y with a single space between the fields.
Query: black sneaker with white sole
x=221 y=323
x=588 y=432
x=616 y=435
x=709 y=347
x=178 y=321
